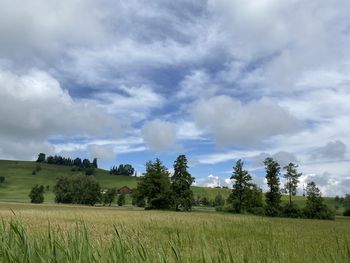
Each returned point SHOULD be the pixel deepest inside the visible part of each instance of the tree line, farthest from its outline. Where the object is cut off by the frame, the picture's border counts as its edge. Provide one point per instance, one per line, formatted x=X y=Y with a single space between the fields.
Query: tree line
x=77 y=164
x=247 y=197
x=158 y=189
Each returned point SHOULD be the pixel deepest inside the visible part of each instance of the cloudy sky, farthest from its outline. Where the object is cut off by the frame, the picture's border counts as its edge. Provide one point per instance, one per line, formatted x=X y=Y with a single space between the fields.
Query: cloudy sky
x=129 y=81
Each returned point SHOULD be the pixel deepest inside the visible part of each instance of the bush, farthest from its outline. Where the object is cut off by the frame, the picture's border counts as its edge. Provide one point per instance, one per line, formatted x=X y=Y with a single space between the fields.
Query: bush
x=36 y=195
x=291 y=210
x=34 y=172
x=2 y=179
x=346 y=212
x=89 y=171
x=121 y=200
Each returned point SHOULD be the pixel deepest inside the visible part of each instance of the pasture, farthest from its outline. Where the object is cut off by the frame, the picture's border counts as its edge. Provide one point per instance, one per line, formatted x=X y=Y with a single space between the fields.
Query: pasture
x=67 y=233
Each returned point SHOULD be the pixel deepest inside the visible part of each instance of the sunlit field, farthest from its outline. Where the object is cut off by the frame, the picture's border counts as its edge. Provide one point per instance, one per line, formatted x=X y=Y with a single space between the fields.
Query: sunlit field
x=62 y=233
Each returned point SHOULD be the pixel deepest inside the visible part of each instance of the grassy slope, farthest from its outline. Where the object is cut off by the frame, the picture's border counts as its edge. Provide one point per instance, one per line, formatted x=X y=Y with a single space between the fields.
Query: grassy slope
x=19 y=180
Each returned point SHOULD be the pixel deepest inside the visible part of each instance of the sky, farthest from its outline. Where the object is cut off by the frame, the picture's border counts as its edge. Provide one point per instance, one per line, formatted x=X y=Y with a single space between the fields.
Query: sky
x=217 y=80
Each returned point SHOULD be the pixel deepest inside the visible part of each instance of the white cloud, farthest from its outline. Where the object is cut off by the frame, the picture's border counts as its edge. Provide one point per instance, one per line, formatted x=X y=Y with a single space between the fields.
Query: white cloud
x=159 y=135
x=101 y=152
x=210 y=181
x=37 y=108
x=232 y=122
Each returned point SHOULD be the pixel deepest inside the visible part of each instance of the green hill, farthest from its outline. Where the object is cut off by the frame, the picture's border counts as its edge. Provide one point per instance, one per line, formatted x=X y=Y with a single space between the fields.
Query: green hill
x=19 y=180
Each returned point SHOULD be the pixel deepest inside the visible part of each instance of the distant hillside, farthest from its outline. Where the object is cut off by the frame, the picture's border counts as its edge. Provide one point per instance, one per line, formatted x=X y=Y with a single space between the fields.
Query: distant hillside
x=19 y=180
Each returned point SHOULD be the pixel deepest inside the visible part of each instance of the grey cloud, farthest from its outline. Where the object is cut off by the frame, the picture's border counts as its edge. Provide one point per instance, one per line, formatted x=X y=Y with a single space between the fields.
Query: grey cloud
x=332 y=150
x=36 y=108
x=101 y=152
x=232 y=122
x=159 y=135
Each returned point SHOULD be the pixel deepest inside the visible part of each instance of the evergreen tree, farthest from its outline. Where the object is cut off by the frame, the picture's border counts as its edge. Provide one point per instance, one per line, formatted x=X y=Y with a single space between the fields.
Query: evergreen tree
x=315 y=208
x=36 y=195
x=346 y=204
x=41 y=158
x=155 y=186
x=181 y=185
x=292 y=178
x=94 y=163
x=240 y=189
x=273 y=196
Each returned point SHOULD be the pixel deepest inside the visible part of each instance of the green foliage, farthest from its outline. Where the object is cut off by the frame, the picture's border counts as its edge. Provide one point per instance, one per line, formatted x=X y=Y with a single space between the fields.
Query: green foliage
x=94 y=163
x=219 y=201
x=181 y=185
x=109 y=196
x=346 y=202
x=155 y=186
x=240 y=195
x=254 y=202
x=291 y=210
x=2 y=179
x=122 y=169
x=36 y=195
x=273 y=195
x=89 y=171
x=121 y=200
x=41 y=158
x=292 y=178
x=77 y=190
x=315 y=208
x=137 y=199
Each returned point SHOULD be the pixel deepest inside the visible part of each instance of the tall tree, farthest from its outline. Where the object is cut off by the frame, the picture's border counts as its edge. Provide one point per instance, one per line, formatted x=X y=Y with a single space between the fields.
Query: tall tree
x=292 y=177
x=240 y=189
x=181 y=185
x=155 y=186
x=94 y=163
x=41 y=158
x=273 y=196
x=315 y=208
x=346 y=204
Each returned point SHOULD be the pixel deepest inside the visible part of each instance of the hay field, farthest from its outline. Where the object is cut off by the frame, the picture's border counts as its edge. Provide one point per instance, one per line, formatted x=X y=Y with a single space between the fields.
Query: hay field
x=63 y=233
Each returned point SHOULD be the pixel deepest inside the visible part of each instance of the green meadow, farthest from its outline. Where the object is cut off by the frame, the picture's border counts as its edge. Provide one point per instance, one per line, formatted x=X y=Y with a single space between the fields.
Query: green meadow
x=67 y=233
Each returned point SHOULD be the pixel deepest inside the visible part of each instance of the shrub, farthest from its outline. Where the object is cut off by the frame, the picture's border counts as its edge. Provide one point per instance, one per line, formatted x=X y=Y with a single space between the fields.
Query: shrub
x=36 y=195
x=121 y=200
x=346 y=212
x=2 y=179
x=291 y=210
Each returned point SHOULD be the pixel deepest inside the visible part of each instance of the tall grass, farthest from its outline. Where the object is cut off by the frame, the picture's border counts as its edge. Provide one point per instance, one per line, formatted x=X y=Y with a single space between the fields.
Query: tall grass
x=79 y=234
x=78 y=245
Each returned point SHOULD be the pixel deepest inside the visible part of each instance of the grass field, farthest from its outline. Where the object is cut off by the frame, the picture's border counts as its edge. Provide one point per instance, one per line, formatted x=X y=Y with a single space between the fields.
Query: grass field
x=62 y=233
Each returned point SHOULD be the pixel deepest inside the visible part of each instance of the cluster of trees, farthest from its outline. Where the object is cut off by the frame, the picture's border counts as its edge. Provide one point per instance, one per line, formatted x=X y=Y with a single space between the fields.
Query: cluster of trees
x=158 y=190
x=79 y=189
x=122 y=169
x=345 y=202
x=77 y=163
x=248 y=197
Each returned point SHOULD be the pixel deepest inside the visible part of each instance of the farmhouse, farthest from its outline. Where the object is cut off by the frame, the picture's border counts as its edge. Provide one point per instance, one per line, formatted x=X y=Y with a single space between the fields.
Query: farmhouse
x=124 y=190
